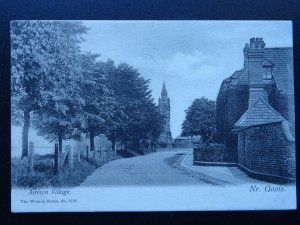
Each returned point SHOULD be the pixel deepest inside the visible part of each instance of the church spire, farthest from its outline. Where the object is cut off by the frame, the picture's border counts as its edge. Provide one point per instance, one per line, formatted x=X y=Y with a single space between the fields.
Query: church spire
x=165 y=138
x=164 y=90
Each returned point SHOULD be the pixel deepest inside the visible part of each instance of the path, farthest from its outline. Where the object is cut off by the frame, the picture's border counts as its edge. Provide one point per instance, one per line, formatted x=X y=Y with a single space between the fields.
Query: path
x=165 y=167
x=232 y=175
x=152 y=169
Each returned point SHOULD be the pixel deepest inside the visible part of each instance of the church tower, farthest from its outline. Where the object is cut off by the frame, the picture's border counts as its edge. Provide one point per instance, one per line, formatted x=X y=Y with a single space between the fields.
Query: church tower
x=165 y=138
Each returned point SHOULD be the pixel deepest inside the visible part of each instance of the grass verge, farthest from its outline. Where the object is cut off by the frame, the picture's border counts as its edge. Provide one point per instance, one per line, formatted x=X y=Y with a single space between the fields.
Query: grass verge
x=43 y=176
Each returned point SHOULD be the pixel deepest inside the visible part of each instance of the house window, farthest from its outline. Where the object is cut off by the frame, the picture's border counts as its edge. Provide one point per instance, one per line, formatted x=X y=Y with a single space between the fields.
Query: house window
x=268 y=73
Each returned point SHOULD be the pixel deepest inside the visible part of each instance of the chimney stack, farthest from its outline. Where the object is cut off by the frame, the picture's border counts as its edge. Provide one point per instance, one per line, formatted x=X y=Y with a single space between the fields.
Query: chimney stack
x=256 y=50
x=254 y=56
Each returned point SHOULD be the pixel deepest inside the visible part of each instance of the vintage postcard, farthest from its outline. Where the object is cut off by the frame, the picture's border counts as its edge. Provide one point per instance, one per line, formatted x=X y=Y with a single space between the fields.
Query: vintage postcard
x=152 y=116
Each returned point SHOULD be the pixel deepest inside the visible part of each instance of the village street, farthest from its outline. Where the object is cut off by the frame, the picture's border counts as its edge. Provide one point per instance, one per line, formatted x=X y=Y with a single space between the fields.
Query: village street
x=152 y=169
x=164 y=167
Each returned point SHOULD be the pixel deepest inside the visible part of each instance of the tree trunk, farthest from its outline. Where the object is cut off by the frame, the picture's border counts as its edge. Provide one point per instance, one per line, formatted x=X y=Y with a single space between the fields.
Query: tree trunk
x=60 y=143
x=56 y=168
x=113 y=145
x=92 y=143
x=25 y=134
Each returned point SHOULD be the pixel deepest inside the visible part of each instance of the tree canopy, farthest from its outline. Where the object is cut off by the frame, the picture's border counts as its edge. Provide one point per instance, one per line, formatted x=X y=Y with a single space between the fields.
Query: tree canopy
x=200 y=119
x=136 y=116
x=42 y=58
x=65 y=93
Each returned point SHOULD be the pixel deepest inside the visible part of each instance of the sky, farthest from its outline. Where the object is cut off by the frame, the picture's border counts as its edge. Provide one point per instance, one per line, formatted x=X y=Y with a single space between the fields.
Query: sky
x=191 y=57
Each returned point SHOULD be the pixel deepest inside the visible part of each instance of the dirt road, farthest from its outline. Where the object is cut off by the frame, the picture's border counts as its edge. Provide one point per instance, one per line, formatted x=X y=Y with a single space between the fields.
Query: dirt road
x=157 y=168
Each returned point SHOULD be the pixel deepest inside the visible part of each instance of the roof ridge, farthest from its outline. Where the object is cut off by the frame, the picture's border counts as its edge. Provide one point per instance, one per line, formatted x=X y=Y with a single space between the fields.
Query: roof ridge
x=241 y=72
x=236 y=71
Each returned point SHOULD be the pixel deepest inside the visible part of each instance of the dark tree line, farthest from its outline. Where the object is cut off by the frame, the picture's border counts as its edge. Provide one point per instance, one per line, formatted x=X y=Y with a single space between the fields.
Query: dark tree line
x=67 y=94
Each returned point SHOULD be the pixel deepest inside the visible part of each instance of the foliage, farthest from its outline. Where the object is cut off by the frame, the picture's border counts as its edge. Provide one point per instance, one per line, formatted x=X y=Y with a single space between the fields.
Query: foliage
x=212 y=152
x=43 y=67
x=136 y=117
x=43 y=175
x=65 y=93
x=56 y=118
x=200 y=119
x=41 y=52
x=99 y=99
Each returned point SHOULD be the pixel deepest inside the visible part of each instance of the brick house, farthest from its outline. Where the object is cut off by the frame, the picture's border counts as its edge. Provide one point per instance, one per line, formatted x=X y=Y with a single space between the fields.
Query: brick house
x=255 y=116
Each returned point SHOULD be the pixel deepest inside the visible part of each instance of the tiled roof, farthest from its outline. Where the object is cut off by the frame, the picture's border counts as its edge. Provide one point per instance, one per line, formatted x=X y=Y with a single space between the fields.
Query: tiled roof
x=283 y=67
x=243 y=76
x=282 y=61
x=239 y=77
x=259 y=113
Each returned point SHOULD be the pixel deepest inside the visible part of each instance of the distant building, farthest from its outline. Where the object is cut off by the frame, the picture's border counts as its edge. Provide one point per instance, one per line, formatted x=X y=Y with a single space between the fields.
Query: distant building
x=185 y=142
x=165 y=138
x=255 y=115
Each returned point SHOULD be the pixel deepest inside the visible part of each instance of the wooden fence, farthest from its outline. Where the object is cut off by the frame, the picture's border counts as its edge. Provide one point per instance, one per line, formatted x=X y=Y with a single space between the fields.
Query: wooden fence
x=65 y=159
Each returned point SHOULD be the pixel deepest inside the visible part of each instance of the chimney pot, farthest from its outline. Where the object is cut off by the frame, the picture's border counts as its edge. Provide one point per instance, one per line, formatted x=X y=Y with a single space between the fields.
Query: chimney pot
x=262 y=43
x=257 y=43
x=246 y=46
x=252 y=41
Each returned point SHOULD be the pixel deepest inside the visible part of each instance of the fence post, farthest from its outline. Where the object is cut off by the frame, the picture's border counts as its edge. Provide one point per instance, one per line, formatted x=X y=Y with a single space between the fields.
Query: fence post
x=56 y=158
x=78 y=152
x=100 y=151
x=31 y=154
x=70 y=155
x=94 y=152
x=87 y=152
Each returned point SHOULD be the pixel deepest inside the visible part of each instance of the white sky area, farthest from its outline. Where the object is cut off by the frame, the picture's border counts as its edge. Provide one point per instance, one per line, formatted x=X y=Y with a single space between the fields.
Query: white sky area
x=192 y=57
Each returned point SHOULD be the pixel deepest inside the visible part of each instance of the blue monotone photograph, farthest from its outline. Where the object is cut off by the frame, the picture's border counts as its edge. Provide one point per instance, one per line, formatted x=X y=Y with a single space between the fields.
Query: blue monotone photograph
x=152 y=115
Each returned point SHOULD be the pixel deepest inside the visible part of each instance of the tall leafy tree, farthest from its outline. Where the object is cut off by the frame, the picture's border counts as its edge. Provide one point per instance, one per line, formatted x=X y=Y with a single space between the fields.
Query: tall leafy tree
x=200 y=119
x=99 y=101
x=137 y=112
x=57 y=119
x=41 y=57
x=113 y=122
